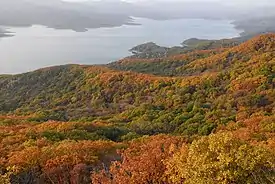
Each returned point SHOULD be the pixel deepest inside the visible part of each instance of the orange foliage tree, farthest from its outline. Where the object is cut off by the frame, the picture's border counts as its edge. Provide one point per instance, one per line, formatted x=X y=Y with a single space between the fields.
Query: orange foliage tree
x=142 y=161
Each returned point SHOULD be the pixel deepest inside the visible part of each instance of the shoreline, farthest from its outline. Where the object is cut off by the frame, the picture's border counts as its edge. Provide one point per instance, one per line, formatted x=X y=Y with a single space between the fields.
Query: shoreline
x=128 y=54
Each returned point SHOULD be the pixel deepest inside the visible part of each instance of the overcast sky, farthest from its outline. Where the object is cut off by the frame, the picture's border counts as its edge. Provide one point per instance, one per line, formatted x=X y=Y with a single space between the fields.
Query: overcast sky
x=248 y=3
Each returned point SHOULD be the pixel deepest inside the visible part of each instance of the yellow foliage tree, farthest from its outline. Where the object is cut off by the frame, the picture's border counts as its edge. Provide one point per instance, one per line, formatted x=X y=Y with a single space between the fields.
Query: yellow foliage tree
x=221 y=158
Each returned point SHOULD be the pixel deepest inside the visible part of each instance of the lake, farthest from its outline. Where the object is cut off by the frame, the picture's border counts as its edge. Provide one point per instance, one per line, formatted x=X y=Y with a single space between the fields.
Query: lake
x=37 y=46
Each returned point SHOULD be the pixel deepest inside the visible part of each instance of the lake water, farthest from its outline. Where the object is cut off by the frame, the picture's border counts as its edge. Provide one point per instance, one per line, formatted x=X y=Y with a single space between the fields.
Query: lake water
x=37 y=46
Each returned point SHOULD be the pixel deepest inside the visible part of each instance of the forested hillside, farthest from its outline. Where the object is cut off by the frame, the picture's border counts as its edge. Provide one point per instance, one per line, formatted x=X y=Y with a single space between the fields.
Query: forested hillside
x=205 y=116
x=151 y=50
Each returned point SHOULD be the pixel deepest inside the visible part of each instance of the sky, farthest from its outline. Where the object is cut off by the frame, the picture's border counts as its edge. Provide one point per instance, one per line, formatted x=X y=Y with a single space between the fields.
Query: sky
x=141 y=0
x=230 y=2
x=225 y=1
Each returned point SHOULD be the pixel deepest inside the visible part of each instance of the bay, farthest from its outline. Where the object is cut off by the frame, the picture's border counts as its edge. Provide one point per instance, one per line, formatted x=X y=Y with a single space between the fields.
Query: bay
x=35 y=47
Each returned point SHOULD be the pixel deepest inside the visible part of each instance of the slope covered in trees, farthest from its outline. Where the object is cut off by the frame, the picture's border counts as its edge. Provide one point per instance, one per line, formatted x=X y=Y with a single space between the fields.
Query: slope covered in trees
x=151 y=50
x=72 y=119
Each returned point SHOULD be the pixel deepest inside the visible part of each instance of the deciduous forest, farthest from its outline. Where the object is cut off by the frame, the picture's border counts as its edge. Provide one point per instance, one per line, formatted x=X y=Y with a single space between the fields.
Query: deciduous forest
x=200 y=117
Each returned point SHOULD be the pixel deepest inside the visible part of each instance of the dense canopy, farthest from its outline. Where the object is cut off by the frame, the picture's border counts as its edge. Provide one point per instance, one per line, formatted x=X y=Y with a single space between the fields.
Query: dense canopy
x=204 y=116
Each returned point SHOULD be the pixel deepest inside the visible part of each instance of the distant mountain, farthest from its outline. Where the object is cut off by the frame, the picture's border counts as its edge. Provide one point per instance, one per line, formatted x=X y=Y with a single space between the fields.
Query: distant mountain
x=256 y=24
x=57 y=14
x=4 y=33
x=94 y=14
x=81 y=16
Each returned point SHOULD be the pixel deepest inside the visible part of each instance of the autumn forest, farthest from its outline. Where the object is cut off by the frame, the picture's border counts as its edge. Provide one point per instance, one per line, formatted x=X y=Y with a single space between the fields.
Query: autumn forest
x=205 y=115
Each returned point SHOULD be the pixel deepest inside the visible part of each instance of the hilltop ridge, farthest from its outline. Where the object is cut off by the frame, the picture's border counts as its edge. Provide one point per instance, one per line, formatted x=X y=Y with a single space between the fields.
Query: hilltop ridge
x=204 y=112
x=73 y=88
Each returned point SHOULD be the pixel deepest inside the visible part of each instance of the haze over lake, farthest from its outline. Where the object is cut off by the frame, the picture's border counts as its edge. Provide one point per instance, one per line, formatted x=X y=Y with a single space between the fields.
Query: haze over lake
x=37 y=46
